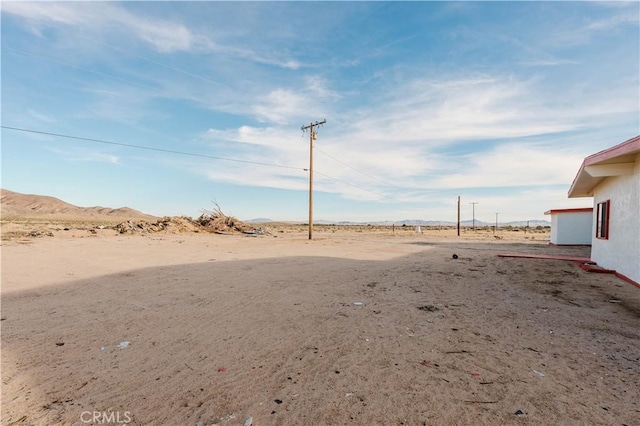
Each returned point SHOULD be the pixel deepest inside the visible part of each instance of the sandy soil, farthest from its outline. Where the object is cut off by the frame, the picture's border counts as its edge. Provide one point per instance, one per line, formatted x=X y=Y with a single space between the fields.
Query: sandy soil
x=359 y=328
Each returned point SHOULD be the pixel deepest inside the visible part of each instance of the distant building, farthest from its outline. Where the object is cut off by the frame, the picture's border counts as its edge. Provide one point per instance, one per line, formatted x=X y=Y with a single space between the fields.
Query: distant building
x=571 y=226
x=612 y=178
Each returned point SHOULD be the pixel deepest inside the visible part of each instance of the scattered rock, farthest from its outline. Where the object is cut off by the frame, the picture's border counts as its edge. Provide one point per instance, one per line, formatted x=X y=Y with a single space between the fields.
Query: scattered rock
x=519 y=413
x=455 y=256
x=60 y=344
x=428 y=308
x=278 y=401
x=35 y=234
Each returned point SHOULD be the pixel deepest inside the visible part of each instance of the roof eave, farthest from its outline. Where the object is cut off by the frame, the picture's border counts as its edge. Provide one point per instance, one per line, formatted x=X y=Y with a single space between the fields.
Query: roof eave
x=583 y=184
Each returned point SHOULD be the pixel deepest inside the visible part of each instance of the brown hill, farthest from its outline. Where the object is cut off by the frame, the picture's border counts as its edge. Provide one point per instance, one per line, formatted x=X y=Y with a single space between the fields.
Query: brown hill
x=16 y=205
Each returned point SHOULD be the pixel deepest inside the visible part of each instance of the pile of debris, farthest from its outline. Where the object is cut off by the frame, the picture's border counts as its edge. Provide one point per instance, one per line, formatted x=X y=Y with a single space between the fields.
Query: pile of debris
x=216 y=222
x=167 y=224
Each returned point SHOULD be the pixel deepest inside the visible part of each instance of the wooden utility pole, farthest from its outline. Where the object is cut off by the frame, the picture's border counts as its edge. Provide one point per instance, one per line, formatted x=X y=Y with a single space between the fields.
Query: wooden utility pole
x=458 y=215
x=496 y=228
x=474 y=213
x=312 y=137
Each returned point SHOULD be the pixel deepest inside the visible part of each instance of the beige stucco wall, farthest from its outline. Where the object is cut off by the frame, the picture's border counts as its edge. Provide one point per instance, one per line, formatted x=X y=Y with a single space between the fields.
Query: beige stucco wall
x=622 y=250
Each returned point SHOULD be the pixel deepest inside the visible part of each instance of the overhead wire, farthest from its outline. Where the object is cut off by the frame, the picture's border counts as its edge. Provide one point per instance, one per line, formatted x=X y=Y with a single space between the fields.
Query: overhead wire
x=350 y=184
x=150 y=148
x=34 y=55
x=357 y=170
x=170 y=151
x=118 y=49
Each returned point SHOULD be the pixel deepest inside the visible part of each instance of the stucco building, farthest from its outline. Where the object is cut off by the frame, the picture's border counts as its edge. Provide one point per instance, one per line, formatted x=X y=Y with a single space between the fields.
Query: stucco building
x=612 y=178
x=571 y=226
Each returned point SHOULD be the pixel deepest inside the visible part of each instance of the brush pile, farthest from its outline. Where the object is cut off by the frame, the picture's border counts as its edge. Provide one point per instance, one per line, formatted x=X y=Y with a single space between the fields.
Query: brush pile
x=215 y=221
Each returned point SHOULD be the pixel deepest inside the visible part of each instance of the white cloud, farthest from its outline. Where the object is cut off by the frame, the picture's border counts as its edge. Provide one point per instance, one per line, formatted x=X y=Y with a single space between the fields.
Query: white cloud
x=41 y=117
x=317 y=86
x=164 y=36
x=512 y=165
x=408 y=140
x=93 y=17
x=99 y=157
x=628 y=16
x=79 y=154
x=548 y=62
x=281 y=106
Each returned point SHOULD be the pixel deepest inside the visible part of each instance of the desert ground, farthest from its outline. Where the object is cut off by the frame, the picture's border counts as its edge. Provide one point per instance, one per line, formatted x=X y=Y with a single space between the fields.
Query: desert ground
x=360 y=326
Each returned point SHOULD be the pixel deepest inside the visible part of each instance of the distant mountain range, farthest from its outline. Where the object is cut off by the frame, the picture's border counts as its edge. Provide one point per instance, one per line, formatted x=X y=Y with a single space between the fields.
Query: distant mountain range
x=418 y=222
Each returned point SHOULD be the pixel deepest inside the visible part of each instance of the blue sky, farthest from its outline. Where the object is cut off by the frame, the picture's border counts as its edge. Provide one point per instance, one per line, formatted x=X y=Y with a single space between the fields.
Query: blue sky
x=496 y=102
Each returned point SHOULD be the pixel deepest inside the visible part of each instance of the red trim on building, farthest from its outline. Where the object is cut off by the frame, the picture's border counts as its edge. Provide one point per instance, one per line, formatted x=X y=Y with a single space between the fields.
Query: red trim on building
x=602 y=224
x=630 y=146
x=627 y=147
x=583 y=262
x=627 y=279
x=546 y=256
x=578 y=210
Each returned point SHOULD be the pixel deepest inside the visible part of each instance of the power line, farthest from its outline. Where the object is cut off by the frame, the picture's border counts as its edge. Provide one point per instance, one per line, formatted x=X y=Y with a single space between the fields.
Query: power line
x=350 y=184
x=150 y=148
x=169 y=151
x=181 y=152
x=94 y=40
x=34 y=55
x=166 y=66
x=178 y=152
x=360 y=171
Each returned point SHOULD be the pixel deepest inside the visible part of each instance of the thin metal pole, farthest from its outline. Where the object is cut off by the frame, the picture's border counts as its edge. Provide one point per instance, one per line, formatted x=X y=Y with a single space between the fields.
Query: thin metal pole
x=311 y=181
x=496 y=228
x=474 y=214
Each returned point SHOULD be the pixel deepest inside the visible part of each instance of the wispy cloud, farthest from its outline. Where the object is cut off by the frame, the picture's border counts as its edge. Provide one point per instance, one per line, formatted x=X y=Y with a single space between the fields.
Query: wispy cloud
x=163 y=36
x=83 y=155
x=41 y=117
x=548 y=62
x=411 y=137
x=627 y=16
x=283 y=106
x=510 y=165
x=99 y=157
x=418 y=115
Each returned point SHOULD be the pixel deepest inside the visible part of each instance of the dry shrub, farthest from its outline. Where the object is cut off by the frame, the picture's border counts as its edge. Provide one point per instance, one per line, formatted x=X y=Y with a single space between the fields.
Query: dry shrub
x=215 y=221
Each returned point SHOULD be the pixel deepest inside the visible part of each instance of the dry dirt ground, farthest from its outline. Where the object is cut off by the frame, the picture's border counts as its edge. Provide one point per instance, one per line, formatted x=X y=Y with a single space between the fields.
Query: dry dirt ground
x=357 y=327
